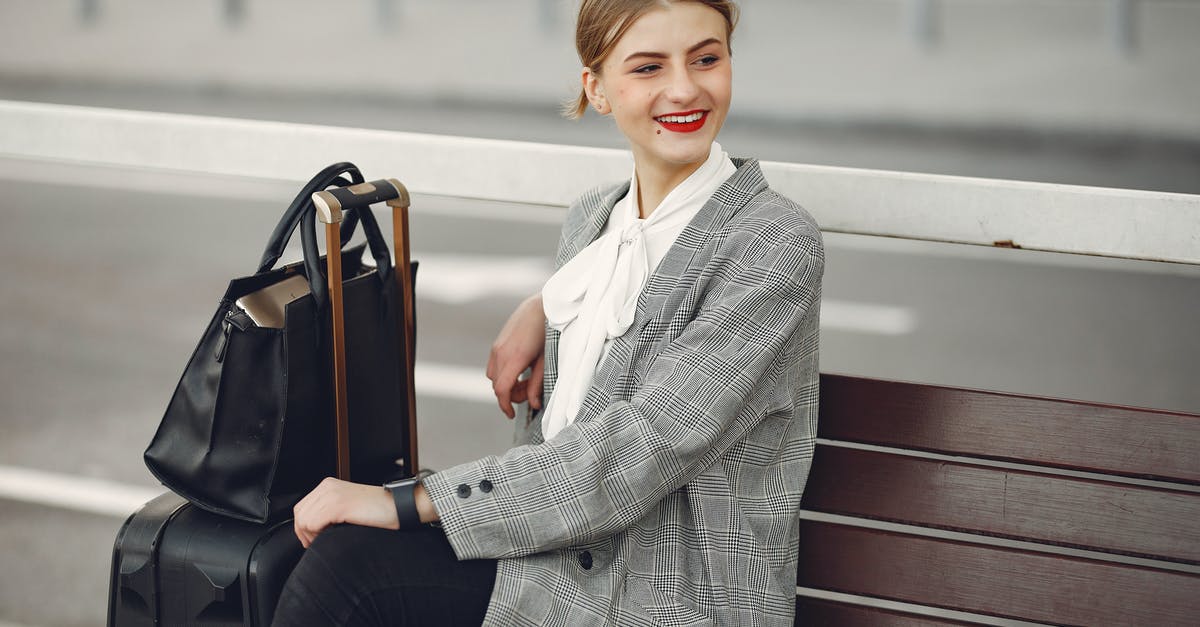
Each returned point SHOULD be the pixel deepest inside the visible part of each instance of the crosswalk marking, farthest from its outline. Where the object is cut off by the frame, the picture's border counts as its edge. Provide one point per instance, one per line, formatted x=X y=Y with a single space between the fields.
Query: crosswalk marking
x=461 y=279
x=83 y=494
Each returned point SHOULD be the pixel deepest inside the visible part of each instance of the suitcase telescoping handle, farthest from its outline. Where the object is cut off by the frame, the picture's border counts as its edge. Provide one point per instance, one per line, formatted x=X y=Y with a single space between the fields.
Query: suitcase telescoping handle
x=330 y=204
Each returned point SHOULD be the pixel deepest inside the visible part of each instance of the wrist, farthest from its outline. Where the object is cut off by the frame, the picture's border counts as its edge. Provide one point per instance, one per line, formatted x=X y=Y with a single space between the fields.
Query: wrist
x=534 y=303
x=404 y=499
x=425 y=509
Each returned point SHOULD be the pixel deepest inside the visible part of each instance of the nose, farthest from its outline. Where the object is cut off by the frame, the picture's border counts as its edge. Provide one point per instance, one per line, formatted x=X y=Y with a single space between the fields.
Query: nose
x=681 y=87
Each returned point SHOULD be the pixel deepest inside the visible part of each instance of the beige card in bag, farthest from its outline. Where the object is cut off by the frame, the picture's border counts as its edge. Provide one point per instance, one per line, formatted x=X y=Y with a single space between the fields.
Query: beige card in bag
x=265 y=307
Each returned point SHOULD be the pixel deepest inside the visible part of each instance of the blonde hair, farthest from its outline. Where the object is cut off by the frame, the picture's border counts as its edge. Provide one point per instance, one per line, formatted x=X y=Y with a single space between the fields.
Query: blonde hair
x=602 y=23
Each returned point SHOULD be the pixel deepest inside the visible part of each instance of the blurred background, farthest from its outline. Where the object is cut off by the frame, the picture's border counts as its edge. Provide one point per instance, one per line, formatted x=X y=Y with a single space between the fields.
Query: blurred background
x=110 y=275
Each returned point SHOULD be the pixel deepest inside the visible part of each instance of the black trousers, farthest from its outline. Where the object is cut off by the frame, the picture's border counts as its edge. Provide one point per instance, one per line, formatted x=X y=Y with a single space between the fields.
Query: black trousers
x=355 y=575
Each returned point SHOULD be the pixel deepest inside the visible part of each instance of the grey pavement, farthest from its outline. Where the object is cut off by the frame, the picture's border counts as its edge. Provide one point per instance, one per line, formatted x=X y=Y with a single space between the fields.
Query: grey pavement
x=105 y=285
x=104 y=291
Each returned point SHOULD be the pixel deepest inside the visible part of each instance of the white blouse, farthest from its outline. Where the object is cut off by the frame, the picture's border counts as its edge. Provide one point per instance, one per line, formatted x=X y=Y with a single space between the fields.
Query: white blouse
x=592 y=299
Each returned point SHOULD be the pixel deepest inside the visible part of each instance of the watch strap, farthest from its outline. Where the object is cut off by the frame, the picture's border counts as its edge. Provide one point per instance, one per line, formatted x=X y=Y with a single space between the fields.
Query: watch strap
x=404 y=496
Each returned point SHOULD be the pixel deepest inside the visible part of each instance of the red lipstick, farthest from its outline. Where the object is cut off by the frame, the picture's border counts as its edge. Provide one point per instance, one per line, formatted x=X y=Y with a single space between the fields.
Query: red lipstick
x=683 y=127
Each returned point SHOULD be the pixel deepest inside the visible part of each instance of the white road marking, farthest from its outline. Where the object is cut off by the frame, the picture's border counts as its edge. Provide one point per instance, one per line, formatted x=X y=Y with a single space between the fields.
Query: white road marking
x=491 y=210
x=453 y=382
x=460 y=279
x=109 y=498
x=95 y=496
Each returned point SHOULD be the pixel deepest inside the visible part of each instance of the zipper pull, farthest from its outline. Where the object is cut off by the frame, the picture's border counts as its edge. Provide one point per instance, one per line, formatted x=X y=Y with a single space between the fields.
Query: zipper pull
x=235 y=317
x=226 y=329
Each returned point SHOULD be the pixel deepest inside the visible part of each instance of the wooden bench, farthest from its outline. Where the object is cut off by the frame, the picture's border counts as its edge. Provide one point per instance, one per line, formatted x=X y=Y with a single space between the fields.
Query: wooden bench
x=996 y=508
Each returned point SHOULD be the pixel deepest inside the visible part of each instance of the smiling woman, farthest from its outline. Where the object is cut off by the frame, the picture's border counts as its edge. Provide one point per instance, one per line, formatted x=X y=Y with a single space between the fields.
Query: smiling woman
x=675 y=349
x=665 y=68
x=671 y=71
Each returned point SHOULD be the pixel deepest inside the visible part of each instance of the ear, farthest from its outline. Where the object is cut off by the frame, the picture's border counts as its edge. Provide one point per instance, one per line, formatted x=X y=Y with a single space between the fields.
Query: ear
x=595 y=91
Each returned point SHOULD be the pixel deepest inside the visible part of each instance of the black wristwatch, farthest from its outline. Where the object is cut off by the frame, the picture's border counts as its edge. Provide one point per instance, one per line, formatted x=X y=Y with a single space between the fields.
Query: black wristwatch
x=406 y=503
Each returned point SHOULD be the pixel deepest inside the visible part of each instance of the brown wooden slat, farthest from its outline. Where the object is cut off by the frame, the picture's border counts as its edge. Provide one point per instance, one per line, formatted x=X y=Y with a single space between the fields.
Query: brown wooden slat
x=812 y=612
x=996 y=581
x=1108 y=516
x=1100 y=438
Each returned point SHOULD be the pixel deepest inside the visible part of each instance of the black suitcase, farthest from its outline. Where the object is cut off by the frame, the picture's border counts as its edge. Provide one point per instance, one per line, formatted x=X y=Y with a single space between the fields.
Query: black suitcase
x=175 y=564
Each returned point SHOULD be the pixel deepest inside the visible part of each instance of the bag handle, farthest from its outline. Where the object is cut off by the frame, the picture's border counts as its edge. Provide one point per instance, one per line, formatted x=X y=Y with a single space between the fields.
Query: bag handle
x=331 y=175
x=317 y=281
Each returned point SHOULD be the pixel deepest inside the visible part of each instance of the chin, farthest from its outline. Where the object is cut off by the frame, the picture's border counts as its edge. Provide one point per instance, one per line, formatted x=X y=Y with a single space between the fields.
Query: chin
x=693 y=152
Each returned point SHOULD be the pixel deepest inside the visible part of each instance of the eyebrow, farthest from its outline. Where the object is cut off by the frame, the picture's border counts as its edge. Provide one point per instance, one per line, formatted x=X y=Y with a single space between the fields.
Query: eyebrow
x=661 y=55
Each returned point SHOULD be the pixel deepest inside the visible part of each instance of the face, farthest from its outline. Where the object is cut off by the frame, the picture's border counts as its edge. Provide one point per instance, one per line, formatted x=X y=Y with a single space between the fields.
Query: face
x=667 y=84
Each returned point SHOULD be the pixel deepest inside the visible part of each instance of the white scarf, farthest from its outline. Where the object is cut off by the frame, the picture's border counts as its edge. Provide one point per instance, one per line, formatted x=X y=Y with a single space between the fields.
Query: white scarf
x=593 y=297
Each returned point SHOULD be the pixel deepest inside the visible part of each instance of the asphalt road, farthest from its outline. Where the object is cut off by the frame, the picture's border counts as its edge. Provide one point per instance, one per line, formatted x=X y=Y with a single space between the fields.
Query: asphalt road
x=106 y=284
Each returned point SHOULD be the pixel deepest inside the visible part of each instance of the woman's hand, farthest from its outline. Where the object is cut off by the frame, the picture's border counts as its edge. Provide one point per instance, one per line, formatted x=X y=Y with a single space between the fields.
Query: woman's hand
x=334 y=501
x=521 y=344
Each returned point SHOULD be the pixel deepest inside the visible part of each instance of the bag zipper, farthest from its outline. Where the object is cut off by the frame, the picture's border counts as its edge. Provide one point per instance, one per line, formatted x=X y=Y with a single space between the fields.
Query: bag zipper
x=235 y=317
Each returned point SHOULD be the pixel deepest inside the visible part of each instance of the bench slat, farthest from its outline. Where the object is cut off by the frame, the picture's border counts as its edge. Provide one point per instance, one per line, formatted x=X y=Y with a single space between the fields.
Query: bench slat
x=1083 y=436
x=1069 y=511
x=996 y=581
x=810 y=611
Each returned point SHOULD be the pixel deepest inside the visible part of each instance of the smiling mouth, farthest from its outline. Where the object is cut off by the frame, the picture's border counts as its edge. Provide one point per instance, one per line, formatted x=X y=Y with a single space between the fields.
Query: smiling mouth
x=686 y=122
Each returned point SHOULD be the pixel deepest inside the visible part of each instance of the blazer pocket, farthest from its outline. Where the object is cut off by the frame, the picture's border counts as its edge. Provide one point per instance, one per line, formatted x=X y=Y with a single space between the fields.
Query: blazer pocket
x=662 y=608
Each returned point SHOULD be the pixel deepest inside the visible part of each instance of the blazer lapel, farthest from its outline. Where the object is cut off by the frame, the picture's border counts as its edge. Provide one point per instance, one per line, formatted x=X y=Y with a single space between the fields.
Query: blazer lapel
x=597 y=207
x=729 y=198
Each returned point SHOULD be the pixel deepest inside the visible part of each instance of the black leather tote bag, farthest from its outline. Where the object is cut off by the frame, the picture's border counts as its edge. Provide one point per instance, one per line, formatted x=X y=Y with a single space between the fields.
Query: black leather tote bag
x=250 y=428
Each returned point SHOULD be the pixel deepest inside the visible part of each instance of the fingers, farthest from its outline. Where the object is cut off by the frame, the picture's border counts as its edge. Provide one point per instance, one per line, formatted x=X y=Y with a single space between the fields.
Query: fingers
x=506 y=383
x=299 y=533
x=510 y=390
x=520 y=392
x=334 y=502
x=503 y=381
x=517 y=346
x=492 y=365
x=504 y=395
x=534 y=382
x=298 y=515
x=300 y=526
x=313 y=512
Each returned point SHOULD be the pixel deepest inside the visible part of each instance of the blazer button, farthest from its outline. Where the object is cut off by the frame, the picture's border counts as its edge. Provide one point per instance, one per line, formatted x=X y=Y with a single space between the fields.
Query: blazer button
x=485 y=486
x=464 y=490
x=585 y=560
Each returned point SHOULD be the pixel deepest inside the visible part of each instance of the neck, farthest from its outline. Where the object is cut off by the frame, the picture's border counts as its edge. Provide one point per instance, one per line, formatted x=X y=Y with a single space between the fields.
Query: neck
x=655 y=181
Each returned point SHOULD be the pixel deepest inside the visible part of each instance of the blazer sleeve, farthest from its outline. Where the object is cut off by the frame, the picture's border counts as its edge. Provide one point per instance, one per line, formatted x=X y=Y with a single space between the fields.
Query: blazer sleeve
x=712 y=385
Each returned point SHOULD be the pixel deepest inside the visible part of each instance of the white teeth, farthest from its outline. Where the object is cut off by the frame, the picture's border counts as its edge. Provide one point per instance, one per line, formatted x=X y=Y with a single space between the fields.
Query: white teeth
x=681 y=119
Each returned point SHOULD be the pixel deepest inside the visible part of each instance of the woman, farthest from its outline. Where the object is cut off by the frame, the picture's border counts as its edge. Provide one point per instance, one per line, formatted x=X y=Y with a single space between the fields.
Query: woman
x=661 y=482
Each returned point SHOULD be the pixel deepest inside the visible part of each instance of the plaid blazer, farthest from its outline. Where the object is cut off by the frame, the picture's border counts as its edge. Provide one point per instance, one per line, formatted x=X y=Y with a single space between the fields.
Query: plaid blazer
x=674 y=497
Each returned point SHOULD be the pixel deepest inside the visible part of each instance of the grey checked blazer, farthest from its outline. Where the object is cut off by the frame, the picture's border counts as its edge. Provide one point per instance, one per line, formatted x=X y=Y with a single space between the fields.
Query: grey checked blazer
x=673 y=499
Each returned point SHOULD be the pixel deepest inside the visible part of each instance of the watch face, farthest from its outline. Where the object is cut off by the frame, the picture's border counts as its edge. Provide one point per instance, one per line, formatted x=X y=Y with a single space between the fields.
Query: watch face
x=398 y=483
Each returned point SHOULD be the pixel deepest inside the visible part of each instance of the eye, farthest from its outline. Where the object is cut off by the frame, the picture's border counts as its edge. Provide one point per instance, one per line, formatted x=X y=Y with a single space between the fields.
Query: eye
x=646 y=69
x=708 y=59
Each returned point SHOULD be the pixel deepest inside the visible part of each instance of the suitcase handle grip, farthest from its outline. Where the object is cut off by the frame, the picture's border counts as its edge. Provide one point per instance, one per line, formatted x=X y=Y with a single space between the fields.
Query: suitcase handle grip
x=331 y=203
x=316 y=274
